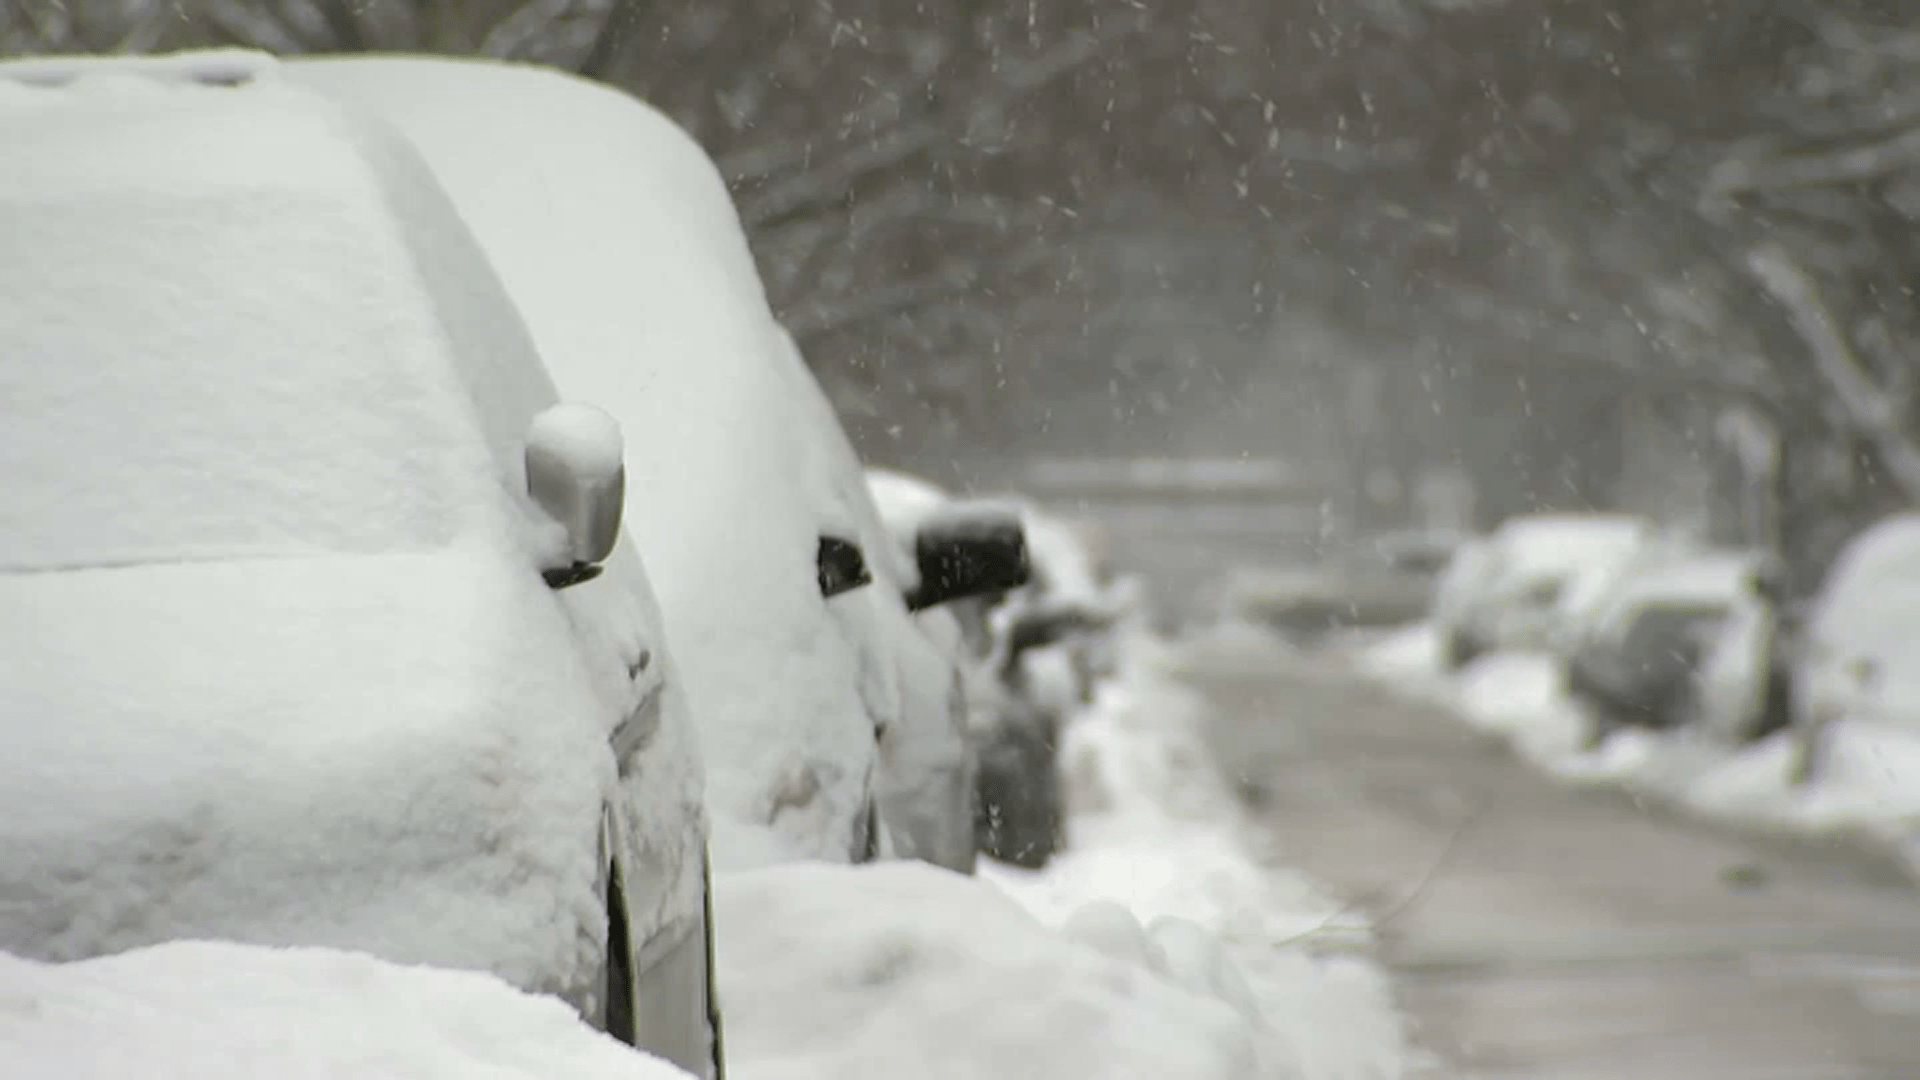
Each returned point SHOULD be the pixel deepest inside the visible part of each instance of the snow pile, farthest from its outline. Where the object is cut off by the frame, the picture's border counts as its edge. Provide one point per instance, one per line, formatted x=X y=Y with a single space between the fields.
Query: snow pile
x=1157 y=853
x=198 y=1010
x=1868 y=786
x=902 y=969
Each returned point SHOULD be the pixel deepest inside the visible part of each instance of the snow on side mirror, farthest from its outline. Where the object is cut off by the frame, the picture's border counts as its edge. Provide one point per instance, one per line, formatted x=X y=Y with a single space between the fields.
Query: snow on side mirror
x=967 y=550
x=576 y=472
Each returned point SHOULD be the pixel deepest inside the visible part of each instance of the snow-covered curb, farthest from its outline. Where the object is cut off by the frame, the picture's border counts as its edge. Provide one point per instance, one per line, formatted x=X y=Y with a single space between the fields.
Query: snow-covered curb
x=1154 y=829
x=1156 y=946
x=1868 y=792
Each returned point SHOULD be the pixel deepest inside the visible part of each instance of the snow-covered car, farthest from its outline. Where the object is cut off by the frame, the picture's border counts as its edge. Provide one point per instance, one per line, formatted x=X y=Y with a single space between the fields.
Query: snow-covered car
x=946 y=561
x=1504 y=592
x=1016 y=706
x=217 y=1010
x=1635 y=660
x=621 y=247
x=1423 y=552
x=321 y=628
x=1857 y=657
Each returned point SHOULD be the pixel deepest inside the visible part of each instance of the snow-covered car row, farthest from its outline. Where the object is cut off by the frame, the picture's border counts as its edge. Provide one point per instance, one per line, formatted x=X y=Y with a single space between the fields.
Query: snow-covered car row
x=422 y=539
x=1653 y=630
x=1037 y=653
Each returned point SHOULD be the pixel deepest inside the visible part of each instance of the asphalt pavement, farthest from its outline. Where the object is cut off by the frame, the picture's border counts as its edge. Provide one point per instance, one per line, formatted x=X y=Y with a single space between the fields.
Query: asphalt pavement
x=1548 y=933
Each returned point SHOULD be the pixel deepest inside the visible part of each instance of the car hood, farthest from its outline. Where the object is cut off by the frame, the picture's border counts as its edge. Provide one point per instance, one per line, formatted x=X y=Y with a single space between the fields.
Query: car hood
x=394 y=754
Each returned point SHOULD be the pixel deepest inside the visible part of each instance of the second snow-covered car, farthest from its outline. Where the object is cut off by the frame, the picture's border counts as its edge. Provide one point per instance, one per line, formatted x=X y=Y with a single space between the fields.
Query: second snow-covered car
x=320 y=627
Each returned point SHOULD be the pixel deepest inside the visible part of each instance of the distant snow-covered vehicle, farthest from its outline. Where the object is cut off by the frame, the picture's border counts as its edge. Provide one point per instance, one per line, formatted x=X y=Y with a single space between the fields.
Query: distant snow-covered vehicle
x=1505 y=591
x=1016 y=710
x=321 y=630
x=1857 y=658
x=1636 y=657
x=620 y=246
x=946 y=562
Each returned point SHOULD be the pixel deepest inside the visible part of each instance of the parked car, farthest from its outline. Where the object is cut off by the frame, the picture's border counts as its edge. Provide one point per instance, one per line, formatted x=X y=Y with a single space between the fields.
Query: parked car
x=1596 y=582
x=321 y=626
x=1634 y=660
x=945 y=562
x=1504 y=592
x=1014 y=720
x=1423 y=552
x=1857 y=659
x=619 y=244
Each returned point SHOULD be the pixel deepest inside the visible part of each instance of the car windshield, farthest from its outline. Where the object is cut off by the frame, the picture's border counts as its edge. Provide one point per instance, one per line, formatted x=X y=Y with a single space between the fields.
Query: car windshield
x=161 y=398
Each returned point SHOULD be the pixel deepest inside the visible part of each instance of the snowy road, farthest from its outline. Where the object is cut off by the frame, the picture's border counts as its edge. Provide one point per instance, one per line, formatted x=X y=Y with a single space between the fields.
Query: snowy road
x=1545 y=933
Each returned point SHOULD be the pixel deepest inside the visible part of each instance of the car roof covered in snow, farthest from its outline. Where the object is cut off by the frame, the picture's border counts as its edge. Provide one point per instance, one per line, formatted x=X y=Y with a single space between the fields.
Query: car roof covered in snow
x=904 y=501
x=1557 y=543
x=243 y=321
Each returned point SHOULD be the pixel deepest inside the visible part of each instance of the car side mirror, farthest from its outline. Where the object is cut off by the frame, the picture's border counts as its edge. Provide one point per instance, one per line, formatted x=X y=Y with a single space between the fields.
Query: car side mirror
x=967 y=550
x=841 y=566
x=576 y=472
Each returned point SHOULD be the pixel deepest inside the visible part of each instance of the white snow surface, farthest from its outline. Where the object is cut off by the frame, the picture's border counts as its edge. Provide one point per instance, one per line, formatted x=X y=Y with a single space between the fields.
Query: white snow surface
x=585 y=437
x=1864 y=612
x=904 y=969
x=1557 y=543
x=133 y=201
x=201 y=1010
x=1869 y=786
x=394 y=757
x=620 y=246
x=1159 y=946
x=1153 y=830
x=905 y=503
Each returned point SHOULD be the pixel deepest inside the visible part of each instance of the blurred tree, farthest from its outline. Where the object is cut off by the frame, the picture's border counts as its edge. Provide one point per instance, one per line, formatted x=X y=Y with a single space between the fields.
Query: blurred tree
x=999 y=220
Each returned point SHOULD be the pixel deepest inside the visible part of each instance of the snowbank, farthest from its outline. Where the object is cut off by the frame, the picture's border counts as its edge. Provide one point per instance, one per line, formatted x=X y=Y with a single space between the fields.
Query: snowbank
x=1153 y=830
x=198 y=1010
x=902 y=969
x=1868 y=789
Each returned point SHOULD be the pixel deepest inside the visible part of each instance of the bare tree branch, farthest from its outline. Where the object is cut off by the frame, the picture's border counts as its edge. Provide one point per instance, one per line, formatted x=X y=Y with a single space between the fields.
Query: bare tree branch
x=1868 y=408
x=615 y=36
x=1855 y=165
x=247 y=24
x=752 y=164
x=343 y=23
x=829 y=182
x=811 y=320
x=514 y=37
